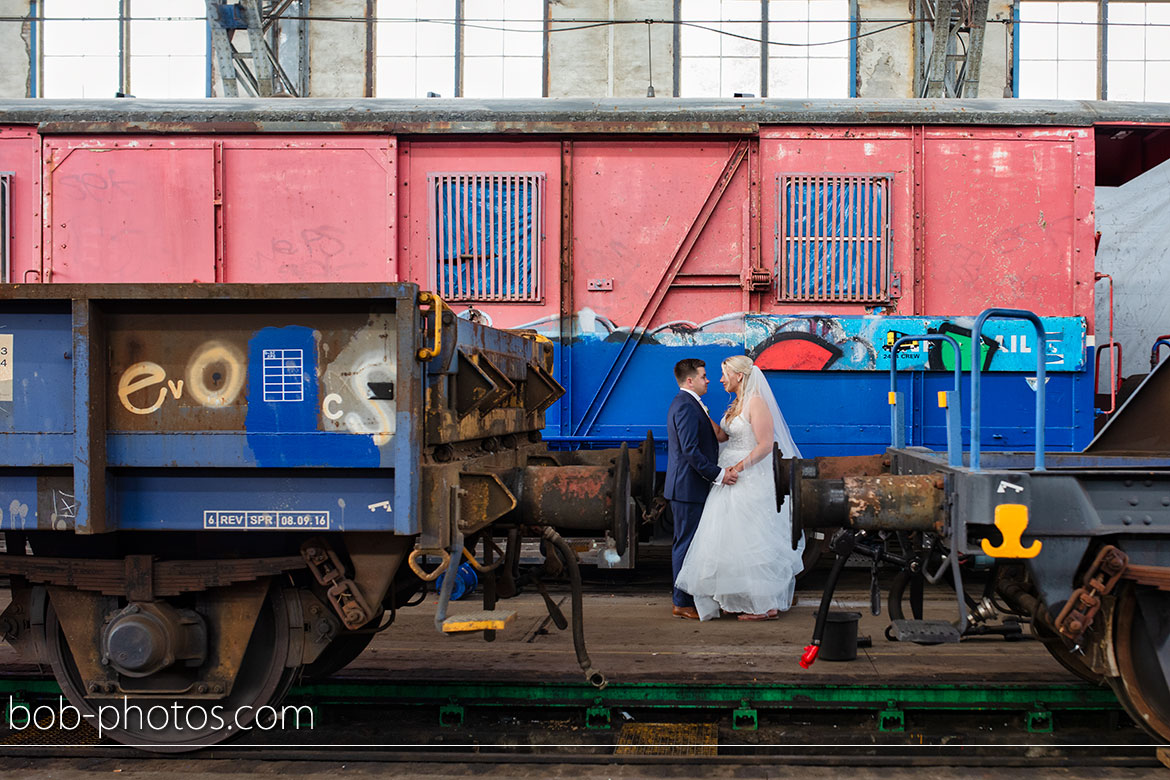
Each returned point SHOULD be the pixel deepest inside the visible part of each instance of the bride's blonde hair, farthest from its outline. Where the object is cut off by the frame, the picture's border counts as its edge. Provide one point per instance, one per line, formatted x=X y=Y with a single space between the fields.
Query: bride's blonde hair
x=742 y=365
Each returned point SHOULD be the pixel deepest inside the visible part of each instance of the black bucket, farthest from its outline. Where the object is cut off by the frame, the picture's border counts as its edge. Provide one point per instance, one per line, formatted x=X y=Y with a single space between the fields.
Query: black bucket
x=839 y=642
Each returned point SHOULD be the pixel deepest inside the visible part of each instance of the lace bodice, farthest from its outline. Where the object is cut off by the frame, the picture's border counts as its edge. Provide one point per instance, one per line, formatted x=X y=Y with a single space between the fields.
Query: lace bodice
x=741 y=440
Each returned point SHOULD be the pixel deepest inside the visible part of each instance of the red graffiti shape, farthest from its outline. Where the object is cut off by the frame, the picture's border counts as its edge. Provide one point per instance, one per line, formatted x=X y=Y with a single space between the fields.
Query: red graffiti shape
x=798 y=352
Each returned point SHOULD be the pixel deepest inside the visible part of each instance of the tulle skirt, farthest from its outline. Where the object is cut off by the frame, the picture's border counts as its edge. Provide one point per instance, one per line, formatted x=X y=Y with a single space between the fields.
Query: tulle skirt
x=741 y=557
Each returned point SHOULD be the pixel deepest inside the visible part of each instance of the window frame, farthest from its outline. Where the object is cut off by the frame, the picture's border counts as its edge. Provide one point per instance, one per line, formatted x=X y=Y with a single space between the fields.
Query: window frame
x=764 y=58
x=1019 y=34
x=125 y=50
x=459 y=58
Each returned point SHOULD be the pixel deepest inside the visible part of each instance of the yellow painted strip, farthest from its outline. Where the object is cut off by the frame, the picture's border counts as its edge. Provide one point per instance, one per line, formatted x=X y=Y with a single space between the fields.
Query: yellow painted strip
x=668 y=739
x=942 y=399
x=480 y=621
x=892 y=397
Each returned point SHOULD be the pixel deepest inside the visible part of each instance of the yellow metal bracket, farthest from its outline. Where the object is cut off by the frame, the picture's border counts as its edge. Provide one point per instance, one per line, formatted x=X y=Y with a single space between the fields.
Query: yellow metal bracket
x=436 y=304
x=1012 y=521
x=413 y=561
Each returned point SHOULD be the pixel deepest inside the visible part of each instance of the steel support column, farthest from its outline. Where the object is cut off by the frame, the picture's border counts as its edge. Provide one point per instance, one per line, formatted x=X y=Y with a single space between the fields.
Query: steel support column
x=950 y=46
x=258 y=68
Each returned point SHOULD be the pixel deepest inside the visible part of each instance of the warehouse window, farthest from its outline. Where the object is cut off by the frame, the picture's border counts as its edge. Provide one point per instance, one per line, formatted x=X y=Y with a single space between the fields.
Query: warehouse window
x=833 y=237
x=1061 y=56
x=503 y=48
x=415 y=48
x=808 y=48
x=168 y=49
x=719 y=47
x=1058 y=49
x=86 y=42
x=6 y=227
x=803 y=46
x=460 y=48
x=1139 y=51
x=82 y=42
x=485 y=235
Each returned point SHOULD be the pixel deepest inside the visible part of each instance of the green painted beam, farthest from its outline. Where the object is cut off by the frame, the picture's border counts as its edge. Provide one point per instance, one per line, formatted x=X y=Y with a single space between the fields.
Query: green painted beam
x=1071 y=696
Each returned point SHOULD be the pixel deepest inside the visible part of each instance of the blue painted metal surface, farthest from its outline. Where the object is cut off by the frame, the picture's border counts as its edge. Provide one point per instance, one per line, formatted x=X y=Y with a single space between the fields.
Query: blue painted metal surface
x=103 y=427
x=338 y=500
x=833 y=412
x=864 y=343
x=46 y=374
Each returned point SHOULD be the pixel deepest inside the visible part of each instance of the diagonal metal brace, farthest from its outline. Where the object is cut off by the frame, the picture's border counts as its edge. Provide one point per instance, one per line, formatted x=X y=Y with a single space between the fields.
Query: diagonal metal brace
x=634 y=335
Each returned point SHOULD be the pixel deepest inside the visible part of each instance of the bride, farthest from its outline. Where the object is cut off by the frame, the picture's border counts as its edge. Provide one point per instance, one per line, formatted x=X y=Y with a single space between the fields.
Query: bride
x=741 y=559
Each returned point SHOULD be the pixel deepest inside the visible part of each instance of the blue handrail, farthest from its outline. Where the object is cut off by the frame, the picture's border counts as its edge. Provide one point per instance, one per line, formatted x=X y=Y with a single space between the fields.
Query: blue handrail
x=977 y=368
x=1162 y=341
x=897 y=424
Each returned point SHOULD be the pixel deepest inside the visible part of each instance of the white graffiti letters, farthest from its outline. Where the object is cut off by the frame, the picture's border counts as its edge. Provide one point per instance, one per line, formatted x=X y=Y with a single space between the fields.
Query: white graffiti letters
x=215 y=377
x=139 y=377
x=224 y=365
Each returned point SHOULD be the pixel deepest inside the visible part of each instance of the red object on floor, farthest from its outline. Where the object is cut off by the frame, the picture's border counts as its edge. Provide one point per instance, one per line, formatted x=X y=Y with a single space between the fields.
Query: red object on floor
x=810 y=655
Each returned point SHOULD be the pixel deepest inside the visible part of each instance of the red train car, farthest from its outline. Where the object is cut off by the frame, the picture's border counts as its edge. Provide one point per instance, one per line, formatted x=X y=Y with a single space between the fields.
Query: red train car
x=810 y=234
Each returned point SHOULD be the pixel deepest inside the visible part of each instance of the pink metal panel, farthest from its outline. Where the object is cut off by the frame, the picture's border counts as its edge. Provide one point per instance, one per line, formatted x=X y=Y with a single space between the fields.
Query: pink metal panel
x=130 y=210
x=309 y=209
x=633 y=203
x=835 y=151
x=1003 y=225
x=20 y=154
x=419 y=159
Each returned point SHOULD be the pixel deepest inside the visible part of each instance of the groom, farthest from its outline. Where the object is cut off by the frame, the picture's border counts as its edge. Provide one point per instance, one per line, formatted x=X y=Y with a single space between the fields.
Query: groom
x=692 y=454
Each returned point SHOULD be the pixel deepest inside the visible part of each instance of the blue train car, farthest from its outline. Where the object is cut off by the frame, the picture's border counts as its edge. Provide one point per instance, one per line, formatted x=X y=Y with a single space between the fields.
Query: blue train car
x=207 y=489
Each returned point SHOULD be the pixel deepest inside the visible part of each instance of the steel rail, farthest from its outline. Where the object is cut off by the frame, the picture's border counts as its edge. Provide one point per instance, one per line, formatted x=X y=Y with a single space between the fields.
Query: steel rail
x=899 y=756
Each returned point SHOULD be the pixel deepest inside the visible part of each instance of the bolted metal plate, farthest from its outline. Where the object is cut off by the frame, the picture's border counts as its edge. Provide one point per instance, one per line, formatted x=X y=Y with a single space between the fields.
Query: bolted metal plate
x=481 y=620
x=668 y=739
x=925 y=632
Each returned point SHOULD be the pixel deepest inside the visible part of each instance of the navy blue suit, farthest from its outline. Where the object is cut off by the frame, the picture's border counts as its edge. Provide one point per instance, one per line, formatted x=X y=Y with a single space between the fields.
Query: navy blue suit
x=691 y=467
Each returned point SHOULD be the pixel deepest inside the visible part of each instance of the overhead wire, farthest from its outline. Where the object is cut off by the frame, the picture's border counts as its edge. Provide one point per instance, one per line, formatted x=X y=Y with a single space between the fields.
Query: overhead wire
x=555 y=26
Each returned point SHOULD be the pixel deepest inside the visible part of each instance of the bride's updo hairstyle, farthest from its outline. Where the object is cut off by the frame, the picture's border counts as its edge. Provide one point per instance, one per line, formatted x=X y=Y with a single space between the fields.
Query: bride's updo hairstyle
x=742 y=365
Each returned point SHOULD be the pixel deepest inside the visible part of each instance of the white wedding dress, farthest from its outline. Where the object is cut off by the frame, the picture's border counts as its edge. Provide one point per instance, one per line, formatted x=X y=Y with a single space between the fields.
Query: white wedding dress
x=741 y=557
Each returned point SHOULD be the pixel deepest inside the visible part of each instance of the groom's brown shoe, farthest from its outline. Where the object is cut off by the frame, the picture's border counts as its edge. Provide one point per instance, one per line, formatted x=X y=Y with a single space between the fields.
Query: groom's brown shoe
x=688 y=613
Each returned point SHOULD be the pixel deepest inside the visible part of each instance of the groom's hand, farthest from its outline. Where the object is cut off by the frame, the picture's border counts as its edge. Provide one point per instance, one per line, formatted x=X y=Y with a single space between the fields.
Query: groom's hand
x=730 y=477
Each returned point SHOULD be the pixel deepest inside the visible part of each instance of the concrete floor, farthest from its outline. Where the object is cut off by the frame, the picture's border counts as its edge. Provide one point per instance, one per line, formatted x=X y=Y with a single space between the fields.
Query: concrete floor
x=632 y=637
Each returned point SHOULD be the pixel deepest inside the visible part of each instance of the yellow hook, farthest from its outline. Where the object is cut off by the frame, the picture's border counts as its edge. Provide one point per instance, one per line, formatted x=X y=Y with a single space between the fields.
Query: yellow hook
x=1012 y=521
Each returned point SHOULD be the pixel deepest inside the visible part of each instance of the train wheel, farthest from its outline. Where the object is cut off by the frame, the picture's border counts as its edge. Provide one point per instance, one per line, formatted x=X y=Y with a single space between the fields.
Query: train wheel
x=1141 y=645
x=340 y=653
x=264 y=678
